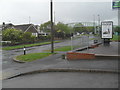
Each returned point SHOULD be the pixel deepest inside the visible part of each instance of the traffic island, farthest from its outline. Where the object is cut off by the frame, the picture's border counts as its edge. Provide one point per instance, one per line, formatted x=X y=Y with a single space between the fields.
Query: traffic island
x=30 y=57
x=16 y=60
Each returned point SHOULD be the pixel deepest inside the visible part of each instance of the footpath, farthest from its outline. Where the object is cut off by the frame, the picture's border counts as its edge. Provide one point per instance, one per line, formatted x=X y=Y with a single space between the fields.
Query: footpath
x=55 y=63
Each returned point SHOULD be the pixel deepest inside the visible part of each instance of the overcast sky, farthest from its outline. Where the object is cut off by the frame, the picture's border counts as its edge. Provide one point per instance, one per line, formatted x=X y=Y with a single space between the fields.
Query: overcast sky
x=66 y=11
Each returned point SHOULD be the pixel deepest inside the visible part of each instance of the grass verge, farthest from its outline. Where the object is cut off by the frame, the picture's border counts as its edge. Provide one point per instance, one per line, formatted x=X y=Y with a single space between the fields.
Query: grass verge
x=26 y=45
x=32 y=56
x=64 y=48
x=115 y=38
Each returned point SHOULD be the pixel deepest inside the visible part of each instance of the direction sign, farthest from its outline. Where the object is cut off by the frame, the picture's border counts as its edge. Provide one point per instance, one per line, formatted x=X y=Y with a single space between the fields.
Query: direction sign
x=116 y=4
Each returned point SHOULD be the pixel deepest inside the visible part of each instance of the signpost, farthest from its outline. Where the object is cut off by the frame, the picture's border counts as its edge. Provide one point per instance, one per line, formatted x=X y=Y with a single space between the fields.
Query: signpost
x=116 y=4
x=107 y=31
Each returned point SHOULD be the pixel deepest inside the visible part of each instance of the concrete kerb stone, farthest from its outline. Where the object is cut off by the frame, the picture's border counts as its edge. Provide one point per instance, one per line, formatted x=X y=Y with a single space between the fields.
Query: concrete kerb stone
x=16 y=60
x=102 y=56
x=73 y=55
x=64 y=70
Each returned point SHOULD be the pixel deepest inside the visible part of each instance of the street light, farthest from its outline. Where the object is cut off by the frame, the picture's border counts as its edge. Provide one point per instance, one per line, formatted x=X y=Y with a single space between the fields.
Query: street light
x=52 y=33
x=98 y=24
x=94 y=25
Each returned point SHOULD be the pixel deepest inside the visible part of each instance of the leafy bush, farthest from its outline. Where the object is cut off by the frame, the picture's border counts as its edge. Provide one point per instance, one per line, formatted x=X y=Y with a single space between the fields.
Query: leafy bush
x=12 y=35
x=17 y=37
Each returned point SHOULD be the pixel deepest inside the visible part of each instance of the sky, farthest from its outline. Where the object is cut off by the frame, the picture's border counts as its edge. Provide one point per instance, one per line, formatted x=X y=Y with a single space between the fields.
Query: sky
x=66 y=11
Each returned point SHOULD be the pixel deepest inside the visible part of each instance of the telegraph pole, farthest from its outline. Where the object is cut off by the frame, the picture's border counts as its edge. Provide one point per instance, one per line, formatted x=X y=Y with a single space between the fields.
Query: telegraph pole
x=52 y=33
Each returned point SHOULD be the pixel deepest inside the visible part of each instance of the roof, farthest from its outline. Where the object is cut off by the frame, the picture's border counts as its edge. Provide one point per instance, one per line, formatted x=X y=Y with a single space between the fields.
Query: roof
x=26 y=27
x=23 y=27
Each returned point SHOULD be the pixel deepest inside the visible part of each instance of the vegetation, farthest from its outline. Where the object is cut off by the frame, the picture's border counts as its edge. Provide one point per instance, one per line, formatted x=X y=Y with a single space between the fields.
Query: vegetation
x=83 y=29
x=26 y=45
x=46 y=26
x=64 y=48
x=61 y=30
x=115 y=38
x=32 y=56
x=117 y=29
x=17 y=36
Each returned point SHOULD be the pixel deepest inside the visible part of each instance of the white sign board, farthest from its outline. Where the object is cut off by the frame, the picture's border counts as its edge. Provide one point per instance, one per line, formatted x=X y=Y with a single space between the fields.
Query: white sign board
x=107 y=29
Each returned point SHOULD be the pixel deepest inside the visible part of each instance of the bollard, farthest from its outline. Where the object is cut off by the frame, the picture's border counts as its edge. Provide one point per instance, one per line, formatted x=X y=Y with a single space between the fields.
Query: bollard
x=24 y=50
x=95 y=41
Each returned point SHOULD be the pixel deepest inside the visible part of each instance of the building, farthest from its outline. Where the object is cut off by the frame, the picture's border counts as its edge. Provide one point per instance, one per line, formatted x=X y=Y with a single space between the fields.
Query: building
x=28 y=28
x=24 y=27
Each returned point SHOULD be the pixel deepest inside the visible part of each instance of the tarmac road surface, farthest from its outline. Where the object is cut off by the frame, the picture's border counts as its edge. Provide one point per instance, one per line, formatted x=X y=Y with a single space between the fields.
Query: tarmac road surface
x=7 y=56
x=64 y=80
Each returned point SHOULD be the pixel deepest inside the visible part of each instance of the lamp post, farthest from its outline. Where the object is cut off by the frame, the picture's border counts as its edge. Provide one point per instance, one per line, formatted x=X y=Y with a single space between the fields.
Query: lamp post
x=98 y=24
x=52 y=33
x=94 y=24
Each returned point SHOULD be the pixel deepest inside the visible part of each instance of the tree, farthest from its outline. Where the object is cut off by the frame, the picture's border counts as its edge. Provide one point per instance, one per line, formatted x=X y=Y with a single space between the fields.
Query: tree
x=63 y=30
x=17 y=36
x=117 y=29
x=90 y=29
x=27 y=37
x=63 y=27
x=46 y=26
x=12 y=35
x=79 y=27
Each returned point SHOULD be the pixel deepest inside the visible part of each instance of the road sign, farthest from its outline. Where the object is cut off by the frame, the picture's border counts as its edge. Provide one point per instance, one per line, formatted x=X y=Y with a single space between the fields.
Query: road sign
x=107 y=29
x=116 y=4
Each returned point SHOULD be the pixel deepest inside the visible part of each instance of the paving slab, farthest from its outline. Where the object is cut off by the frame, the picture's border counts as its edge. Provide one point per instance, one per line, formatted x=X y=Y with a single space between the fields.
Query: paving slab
x=111 y=50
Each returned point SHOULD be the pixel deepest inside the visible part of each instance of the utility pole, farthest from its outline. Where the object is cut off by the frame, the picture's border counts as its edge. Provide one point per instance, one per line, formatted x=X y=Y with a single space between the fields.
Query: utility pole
x=52 y=33
x=54 y=17
x=94 y=24
x=98 y=24
x=118 y=16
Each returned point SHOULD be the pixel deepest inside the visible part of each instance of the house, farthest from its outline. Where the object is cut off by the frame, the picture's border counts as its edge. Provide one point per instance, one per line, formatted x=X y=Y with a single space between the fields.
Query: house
x=28 y=28
x=24 y=27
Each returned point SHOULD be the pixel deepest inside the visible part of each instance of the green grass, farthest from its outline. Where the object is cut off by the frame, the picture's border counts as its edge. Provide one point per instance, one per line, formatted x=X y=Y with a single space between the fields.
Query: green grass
x=32 y=56
x=27 y=45
x=115 y=38
x=64 y=48
x=92 y=38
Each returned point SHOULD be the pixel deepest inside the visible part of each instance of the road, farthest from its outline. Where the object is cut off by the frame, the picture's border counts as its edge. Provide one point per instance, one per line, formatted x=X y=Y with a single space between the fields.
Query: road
x=64 y=80
x=7 y=56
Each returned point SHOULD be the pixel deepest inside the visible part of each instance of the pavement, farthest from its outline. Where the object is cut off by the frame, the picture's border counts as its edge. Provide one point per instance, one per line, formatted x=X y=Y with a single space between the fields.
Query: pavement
x=55 y=62
x=110 y=50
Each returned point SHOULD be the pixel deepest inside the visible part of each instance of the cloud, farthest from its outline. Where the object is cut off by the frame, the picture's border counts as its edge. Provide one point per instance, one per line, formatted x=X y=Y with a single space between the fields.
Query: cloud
x=18 y=11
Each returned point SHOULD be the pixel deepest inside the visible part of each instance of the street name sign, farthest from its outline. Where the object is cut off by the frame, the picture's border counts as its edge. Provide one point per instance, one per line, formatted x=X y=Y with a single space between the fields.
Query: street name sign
x=116 y=4
x=107 y=29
